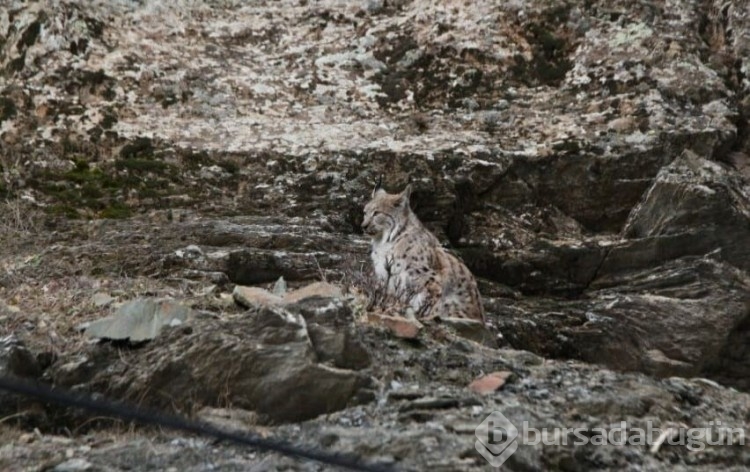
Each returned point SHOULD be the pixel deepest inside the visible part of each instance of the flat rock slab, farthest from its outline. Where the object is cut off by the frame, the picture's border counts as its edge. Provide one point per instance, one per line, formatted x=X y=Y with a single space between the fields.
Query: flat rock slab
x=140 y=320
x=102 y=299
x=256 y=297
x=470 y=329
x=400 y=327
x=490 y=383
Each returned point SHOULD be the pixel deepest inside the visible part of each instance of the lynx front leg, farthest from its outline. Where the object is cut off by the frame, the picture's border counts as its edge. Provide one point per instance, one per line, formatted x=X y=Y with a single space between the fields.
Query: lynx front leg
x=426 y=300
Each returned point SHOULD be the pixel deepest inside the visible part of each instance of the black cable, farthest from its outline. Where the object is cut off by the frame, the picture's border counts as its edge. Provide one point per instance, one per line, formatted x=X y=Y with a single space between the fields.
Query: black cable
x=150 y=417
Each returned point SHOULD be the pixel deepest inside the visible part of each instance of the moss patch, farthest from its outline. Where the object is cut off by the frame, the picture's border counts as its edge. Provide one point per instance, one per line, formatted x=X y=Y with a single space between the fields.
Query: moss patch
x=109 y=119
x=7 y=109
x=230 y=166
x=116 y=211
x=62 y=209
x=29 y=36
x=141 y=165
x=16 y=65
x=144 y=173
x=85 y=190
x=140 y=147
x=196 y=160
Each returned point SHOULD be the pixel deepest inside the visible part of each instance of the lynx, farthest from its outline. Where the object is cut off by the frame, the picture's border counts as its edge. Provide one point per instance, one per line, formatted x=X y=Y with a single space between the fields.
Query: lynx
x=411 y=264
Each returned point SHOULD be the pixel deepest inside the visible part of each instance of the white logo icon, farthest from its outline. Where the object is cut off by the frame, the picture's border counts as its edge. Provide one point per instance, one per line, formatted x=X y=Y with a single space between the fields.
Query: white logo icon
x=496 y=439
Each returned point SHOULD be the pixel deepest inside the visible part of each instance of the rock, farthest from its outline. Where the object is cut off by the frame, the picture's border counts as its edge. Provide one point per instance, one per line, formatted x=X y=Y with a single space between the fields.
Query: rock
x=16 y=361
x=587 y=161
x=662 y=321
x=701 y=200
x=73 y=465
x=101 y=300
x=438 y=403
x=255 y=297
x=266 y=363
x=470 y=329
x=27 y=438
x=400 y=327
x=329 y=320
x=191 y=252
x=140 y=320
x=489 y=383
x=279 y=288
x=228 y=419
x=314 y=290
x=247 y=267
x=332 y=330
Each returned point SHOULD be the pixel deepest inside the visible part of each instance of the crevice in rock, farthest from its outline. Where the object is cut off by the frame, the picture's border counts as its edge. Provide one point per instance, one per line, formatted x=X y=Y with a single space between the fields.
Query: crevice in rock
x=598 y=268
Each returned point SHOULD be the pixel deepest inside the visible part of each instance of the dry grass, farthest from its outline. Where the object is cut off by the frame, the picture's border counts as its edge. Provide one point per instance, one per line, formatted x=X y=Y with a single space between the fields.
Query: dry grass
x=47 y=313
x=20 y=221
x=48 y=274
x=374 y=296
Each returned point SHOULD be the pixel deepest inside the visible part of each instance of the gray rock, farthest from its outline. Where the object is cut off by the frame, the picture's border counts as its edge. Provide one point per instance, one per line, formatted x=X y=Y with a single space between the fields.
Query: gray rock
x=701 y=200
x=73 y=465
x=332 y=330
x=279 y=288
x=663 y=321
x=16 y=361
x=102 y=299
x=471 y=329
x=229 y=419
x=140 y=320
x=265 y=363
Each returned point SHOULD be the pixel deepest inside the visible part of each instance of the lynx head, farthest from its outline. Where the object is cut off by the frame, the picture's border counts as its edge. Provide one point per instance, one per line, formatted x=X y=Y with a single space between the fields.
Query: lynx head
x=386 y=211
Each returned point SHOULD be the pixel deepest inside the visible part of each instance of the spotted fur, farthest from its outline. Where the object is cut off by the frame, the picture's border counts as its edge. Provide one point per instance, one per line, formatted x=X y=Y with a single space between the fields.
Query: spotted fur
x=412 y=265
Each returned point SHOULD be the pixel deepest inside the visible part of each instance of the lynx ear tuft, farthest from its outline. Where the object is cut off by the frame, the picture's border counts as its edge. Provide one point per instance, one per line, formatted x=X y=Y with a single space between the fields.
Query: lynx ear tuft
x=378 y=186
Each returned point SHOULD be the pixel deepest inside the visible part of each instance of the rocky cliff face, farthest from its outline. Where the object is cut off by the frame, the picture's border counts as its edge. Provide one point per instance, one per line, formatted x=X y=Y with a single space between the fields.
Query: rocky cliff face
x=589 y=162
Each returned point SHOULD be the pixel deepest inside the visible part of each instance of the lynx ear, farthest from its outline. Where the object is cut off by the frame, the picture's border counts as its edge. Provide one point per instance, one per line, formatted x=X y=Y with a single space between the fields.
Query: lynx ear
x=378 y=186
x=406 y=194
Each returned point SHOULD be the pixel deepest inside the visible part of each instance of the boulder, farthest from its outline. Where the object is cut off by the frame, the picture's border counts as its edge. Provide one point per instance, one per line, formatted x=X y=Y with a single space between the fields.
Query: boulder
x=701 y=205
x=687 y=318
x=271 y=363
x=139 y=320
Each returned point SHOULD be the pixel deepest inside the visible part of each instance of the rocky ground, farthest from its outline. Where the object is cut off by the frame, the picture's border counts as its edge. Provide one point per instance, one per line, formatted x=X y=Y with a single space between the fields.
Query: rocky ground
x=589 y=161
